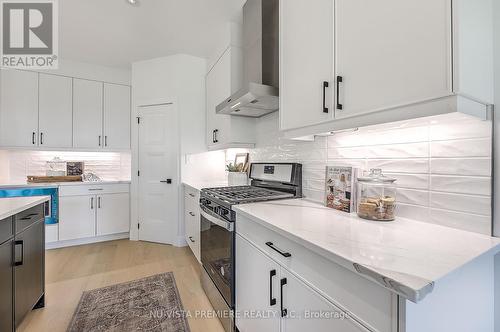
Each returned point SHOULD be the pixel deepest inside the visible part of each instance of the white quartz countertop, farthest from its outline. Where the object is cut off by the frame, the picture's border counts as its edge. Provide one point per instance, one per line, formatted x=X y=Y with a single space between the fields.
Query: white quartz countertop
x=198 y=185
x=14 y=205
x=405 y=256
x=20 y=184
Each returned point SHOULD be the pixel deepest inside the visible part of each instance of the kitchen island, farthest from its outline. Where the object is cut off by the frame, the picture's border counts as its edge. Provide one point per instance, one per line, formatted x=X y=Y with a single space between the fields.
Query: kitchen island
x=442 y=277
x=22 y=258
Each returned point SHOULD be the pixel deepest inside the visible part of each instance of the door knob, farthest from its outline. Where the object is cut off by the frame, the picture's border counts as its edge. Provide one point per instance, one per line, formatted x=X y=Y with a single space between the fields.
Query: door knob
x=169 y=181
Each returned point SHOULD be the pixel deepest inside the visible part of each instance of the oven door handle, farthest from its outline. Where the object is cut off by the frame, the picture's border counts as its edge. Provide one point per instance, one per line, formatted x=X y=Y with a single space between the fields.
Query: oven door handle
x=219 y=222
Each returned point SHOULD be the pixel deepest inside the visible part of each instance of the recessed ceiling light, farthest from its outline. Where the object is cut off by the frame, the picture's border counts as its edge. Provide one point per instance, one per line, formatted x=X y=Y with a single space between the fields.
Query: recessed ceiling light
x=133 y=2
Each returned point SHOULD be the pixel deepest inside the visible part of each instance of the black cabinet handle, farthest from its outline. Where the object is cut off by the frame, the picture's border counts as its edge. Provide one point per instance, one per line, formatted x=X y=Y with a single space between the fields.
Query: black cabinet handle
x=340 y=79
x=191 y=239
x=41 y=138
x=325 y=85
x=99 y=202
x=281 y=252
x=192 y=214
x=213 y=136
x=272 y=300
x=284 y=311
x=19 y=243
x=99 y=140
x=216 y=131
x=33 y=138
x=106 y=140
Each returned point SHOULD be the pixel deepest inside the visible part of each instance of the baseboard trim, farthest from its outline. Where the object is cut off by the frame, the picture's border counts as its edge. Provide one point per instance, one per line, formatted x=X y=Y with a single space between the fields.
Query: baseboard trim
x=88 y=240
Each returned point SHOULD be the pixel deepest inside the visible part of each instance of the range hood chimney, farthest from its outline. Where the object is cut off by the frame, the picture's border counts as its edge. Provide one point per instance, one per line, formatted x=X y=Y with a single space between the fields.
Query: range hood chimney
x=260 y=93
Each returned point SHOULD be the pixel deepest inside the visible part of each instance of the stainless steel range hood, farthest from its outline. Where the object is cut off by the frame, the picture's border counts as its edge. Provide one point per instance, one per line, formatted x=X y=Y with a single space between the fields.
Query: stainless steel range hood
x=260 y=93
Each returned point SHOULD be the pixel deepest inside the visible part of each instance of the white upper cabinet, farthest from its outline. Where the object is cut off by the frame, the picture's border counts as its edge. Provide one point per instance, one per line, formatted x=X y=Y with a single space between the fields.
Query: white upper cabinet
x=55 y=111
x=392 y=53
x=306 y=62
x=87 y=114
x=116 y=116
x=224 y=79
x=18 y=108
x=344 y=61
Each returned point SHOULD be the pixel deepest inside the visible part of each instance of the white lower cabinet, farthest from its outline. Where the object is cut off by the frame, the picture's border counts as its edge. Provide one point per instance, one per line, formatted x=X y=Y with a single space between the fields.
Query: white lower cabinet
x=257 y=289
x=307 y=310
x=192 y=220
x=93 y=211
x=76 y=217
x=283 y=287
x=113 y=214
x=268 y=296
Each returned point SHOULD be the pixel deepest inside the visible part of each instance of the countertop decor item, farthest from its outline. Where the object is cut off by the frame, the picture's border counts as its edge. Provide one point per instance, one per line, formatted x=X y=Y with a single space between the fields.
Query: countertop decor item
x=376 y=196
x=236 y=176
x=52 y=179
x=56 y=167
x=129 y=307
x=341 y=188
x=241 y=162
x=91 y=177
x=75 y=167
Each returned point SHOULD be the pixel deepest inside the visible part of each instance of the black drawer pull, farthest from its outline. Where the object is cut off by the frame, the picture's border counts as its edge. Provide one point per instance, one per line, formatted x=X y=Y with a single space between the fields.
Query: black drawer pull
x=272 y=300
x=19 y=243
x=281 y=252
x=191 y=239
x=284 y=311
x=340 y=79
x=192 y=214
x=325 y=85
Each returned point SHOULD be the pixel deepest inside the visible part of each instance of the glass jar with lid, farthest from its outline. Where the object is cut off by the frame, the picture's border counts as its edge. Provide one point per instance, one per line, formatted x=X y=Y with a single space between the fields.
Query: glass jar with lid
x=56 y=167
x=376 y=198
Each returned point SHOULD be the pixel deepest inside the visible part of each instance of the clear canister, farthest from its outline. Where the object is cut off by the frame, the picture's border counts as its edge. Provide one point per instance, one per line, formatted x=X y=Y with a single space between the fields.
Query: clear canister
x=376 y=196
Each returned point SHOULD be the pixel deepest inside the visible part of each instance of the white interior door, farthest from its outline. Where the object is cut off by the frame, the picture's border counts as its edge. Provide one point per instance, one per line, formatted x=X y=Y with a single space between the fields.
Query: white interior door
x=158 y=163
x=56 y=111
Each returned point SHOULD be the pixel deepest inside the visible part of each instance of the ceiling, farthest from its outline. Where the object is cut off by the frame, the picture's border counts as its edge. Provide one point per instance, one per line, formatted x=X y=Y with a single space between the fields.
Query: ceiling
x=114 y=33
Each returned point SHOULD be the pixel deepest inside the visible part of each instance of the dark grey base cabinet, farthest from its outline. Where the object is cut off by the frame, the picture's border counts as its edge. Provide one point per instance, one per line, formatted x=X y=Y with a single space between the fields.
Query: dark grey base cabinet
x=6 y=285
x=22 y=266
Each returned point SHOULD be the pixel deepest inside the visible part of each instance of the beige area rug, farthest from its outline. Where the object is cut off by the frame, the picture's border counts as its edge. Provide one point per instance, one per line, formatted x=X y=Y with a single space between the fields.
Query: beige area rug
x=148 y=304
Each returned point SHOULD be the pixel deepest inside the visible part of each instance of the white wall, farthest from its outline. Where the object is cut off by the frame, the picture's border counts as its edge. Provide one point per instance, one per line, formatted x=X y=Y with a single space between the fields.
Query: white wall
x=92 y=72
x=179 y=79
x=496 y=39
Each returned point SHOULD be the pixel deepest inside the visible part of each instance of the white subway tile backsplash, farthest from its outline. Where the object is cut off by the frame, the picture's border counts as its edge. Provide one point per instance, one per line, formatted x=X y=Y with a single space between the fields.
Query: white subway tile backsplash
x=107 y=165
x=442 y=164
x=411 y=181
x=461 y=148
x=413 y=197
x=465 y=221
x=401 y=165
x=461 y=166
x=468 y=185
x=465 y=203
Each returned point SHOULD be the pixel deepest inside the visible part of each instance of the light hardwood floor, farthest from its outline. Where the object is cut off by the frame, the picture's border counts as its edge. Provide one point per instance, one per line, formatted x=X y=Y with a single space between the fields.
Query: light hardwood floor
x=70 y=271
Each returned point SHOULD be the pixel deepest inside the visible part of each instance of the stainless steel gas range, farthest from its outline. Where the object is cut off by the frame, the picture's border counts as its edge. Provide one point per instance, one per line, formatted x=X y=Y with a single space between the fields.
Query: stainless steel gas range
x=269 y=181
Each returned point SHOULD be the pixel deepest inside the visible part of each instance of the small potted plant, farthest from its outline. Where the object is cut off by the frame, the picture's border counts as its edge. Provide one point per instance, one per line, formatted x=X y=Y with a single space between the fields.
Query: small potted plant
x=236 y=176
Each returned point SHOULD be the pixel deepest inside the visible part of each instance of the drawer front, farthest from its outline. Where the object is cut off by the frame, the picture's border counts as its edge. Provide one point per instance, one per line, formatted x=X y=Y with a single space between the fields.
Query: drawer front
x=371 y=304
x=28 y=217
x=6 y=229
x=94 y=189
x=192 y=194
